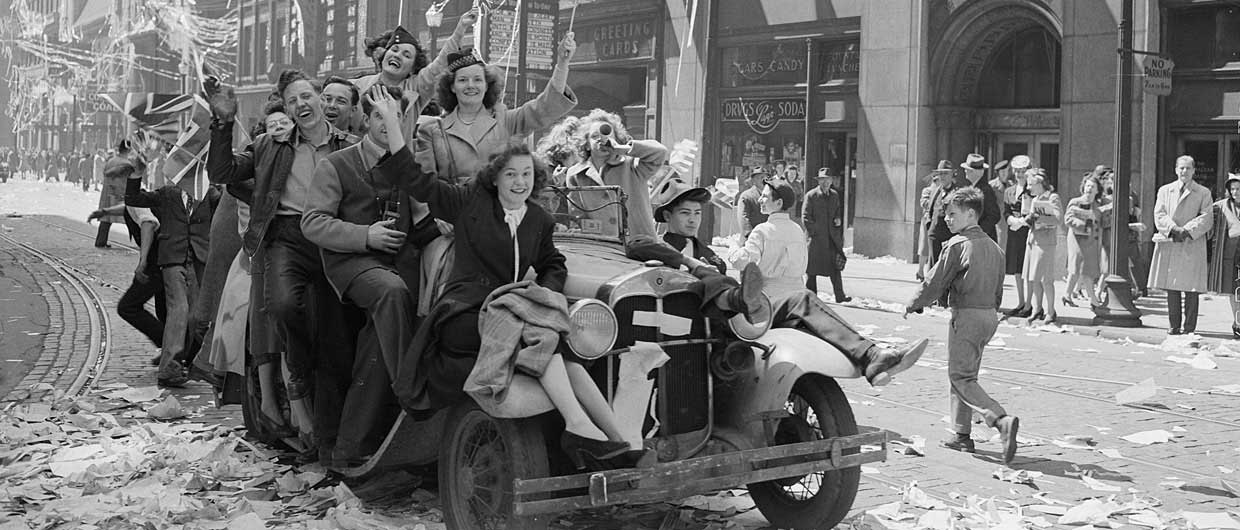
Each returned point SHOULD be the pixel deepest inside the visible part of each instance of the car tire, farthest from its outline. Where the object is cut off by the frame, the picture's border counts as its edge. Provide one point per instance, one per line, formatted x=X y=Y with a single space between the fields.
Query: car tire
x=478 y=461
x=819 y=500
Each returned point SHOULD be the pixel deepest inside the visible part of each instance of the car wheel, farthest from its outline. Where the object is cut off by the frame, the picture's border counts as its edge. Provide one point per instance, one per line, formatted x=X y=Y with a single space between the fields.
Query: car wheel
x=478 y=463
x=817 y=409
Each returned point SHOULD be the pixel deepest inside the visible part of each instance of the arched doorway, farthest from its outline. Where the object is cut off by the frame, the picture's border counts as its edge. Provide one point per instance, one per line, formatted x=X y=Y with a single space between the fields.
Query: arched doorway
x=997 y=84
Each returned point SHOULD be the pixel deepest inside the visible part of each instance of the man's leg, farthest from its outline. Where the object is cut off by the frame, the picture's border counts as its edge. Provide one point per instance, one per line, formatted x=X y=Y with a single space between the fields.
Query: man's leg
x=970 y=330
x=805 y=310
x=1174 y=310
x=288 y=298
x=132 y=308
x=101 y=236
x=811 y=282
x=388 y=303
x=837 y=282
x=1191 y=301
x=176 y=291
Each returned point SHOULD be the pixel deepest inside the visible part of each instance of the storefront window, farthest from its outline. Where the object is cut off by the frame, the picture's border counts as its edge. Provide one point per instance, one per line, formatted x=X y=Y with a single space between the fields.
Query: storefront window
x=741 y=14
x=760 y=132
x=838 y=61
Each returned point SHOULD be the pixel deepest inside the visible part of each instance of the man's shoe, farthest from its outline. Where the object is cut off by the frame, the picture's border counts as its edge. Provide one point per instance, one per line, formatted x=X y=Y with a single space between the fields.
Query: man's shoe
x=751 y=288
x=156 y=359
x=960 y=442
x=1008 y=426
x=1175 y=331
x=843 y=300
x=884 y=365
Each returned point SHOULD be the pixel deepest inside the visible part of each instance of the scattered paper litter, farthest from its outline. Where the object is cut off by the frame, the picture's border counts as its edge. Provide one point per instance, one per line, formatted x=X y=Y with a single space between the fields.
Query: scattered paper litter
x=1233 y=487
x=917 y=498
x=169 y=409
x=1230 y=389
x=1092 y=511
x=1149 y=437
x=1111 y=453
x=1097 y=485
x=915 y=446
x=136 y=395
x=1019 y=476
x=1075 y=441
x=1137 y=393
x=1214 y=520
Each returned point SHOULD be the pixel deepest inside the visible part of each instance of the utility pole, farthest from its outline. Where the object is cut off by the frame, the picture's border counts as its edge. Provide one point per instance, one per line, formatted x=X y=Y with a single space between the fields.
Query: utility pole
x=1120 y=310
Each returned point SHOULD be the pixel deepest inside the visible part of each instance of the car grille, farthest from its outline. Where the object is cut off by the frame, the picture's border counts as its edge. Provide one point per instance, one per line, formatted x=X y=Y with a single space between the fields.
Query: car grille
x=683 y=400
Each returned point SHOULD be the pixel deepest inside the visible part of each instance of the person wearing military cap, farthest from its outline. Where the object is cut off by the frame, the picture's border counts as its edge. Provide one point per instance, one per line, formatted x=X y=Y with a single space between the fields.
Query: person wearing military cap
x=404 y=65
x=1017 y=234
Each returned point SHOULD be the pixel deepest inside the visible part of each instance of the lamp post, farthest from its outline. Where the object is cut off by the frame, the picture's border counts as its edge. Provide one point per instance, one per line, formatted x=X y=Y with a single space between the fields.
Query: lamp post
x=1119 y=309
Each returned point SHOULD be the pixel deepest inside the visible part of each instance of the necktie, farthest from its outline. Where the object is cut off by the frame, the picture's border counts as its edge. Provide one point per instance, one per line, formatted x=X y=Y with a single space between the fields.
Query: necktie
x=513 y=219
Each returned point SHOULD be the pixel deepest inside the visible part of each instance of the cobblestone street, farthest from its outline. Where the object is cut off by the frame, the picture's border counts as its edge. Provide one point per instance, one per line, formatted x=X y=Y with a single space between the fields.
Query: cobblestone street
x=1061 y=381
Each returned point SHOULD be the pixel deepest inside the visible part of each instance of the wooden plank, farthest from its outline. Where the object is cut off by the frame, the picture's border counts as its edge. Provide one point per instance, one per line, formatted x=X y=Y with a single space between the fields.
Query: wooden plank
x=690 y=488
x=674 y=470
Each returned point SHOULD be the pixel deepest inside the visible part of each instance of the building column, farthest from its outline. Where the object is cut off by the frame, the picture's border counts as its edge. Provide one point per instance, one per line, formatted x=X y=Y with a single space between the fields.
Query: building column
x=895 y=131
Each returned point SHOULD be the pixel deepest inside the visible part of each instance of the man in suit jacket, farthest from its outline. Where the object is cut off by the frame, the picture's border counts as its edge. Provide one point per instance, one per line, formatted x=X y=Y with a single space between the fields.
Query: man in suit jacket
x=184 y=234
x=748 y=210
x=352 y=214
x=975 y=167
x=823 y=218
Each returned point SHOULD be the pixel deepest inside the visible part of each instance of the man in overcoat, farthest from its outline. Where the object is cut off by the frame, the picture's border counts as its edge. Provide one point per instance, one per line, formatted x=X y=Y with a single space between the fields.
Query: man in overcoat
x=1182 y=218
x=823 y=218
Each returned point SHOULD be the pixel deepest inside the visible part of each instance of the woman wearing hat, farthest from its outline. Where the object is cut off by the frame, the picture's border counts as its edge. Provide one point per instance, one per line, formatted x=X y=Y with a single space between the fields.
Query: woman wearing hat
x=1017 y=234
x=1223 y=271
x=478 y=124
x=1042 y=214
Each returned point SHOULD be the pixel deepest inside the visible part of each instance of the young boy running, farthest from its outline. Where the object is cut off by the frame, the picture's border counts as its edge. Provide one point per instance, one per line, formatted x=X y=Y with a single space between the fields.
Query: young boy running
x=970 y=271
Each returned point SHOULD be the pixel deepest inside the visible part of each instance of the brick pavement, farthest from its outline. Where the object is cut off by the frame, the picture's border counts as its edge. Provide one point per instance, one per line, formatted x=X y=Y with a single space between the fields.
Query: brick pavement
x=110 y=270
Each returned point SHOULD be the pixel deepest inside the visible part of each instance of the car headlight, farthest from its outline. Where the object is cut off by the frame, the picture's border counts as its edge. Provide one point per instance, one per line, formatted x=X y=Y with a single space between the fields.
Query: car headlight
x=592 y=328
x=751 y=327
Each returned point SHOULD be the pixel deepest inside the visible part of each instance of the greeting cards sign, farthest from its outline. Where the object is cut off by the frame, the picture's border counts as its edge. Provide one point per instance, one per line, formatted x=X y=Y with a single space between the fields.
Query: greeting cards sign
x=763 y=114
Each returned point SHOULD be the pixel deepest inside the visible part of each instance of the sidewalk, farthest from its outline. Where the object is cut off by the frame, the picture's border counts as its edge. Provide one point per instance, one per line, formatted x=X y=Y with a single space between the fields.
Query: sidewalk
x=892 y=280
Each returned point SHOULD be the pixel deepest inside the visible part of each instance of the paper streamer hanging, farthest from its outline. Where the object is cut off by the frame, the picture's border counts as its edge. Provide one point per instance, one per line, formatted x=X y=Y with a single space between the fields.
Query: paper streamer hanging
x=687 y=43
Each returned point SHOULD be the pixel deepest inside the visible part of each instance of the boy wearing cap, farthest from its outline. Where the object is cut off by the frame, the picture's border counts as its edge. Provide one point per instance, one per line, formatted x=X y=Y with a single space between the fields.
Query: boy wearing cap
x=970 y=272
x=778 y=248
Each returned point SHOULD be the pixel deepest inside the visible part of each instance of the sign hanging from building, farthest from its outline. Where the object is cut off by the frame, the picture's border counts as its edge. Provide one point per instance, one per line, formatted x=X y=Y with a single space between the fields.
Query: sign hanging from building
x=613 y=41
x=763 y=114
x=1157 y=76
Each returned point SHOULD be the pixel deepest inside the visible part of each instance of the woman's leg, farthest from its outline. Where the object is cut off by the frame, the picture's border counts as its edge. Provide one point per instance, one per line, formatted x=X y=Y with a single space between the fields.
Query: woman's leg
x=1020 y=292
x=1048 y=287
x=559 y=388
x=592 y=400
x=1089 y=290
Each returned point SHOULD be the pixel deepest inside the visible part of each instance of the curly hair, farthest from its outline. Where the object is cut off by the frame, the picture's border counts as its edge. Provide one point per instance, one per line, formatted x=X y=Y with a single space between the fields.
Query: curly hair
x=495 y=165
x=581 y=139
x=1098 y=191
x=272 y=106
x=495 y=89
x=558 y=146
x=378 y=42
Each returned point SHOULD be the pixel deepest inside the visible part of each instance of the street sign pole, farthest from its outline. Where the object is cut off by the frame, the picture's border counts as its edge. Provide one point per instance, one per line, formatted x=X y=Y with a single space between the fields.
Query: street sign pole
x=1119 y=309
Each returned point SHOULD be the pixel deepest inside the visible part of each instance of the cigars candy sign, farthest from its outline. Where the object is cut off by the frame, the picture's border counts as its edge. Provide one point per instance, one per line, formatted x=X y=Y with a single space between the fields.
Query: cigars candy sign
x=763 y=114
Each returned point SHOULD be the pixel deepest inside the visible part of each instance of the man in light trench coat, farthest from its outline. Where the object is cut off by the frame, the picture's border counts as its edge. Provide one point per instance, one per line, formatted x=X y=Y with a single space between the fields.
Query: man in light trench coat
x=1182 y=218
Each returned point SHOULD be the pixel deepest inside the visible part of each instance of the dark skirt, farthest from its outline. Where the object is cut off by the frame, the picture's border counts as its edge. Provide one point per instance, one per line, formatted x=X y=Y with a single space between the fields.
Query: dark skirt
x=1014 y=255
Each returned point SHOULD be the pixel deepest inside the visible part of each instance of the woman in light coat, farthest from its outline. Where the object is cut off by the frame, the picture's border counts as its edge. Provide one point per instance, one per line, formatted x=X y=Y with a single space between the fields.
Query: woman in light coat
x=1182 y=218
x=1084 y=221
x=1042 y=212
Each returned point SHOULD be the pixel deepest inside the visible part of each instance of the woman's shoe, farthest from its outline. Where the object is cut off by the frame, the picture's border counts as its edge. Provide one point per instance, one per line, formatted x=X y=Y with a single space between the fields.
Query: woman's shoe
x=1051 y=317
x=586 y=452
x=1016 y=311
x=276 y=429
x=1068 y=301
x=1038 y=316
x=1025 y=313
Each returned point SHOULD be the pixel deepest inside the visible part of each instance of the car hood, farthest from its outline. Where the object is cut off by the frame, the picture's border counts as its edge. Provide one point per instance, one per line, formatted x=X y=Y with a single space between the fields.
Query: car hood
x=591 y=264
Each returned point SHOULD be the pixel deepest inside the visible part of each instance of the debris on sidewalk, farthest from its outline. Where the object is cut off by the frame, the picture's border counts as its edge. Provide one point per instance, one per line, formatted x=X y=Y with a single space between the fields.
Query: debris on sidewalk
x=1137 y=393
x=1016 y=476
x=1149 y=437
x=915 y=446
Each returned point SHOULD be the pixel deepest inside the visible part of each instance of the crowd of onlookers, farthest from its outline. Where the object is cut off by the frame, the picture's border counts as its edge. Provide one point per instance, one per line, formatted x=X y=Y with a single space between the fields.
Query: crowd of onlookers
x=78 y=167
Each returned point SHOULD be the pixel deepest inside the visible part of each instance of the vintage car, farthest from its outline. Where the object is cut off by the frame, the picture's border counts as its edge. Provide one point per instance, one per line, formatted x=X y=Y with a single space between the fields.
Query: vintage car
x=736 y=405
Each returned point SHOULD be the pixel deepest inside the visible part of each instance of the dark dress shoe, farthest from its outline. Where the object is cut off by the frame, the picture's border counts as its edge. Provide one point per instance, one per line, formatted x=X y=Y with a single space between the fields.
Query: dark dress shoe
x=843 y=300
x=884 y=365
x=960 y=442
x=1024 y=313
x=1235 y=331
x=1008 y=427
x=588 y=453
x=1038 y=316
x=159 y=357
x=1175 y=331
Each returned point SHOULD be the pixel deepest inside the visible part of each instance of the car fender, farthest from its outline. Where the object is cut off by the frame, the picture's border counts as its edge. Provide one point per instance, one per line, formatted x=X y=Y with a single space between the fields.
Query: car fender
x=759 y=398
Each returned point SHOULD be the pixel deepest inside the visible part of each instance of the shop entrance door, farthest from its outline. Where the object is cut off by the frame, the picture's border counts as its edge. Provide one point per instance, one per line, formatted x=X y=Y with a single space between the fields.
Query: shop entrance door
x=1215 y=156
x=838 y=150
x=1042 y=149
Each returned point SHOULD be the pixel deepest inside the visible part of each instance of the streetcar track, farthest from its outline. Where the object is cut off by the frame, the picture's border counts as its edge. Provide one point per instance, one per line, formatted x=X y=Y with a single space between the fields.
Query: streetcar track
x=90 y=237
x=100 y=326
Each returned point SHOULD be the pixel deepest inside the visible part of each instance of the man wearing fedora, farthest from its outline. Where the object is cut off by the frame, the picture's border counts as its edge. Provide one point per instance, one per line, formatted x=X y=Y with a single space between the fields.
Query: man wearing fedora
x=936 y=179
x=975 y=167
x=937 y=231
x=823 y=219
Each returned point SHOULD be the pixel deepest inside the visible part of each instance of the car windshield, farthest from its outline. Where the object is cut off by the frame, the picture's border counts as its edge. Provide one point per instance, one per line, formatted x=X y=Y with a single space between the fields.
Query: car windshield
x=591 y=212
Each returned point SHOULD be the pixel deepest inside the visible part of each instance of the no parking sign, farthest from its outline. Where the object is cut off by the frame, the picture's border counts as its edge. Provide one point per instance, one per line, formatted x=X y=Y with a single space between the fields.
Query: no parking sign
x=1157 y=74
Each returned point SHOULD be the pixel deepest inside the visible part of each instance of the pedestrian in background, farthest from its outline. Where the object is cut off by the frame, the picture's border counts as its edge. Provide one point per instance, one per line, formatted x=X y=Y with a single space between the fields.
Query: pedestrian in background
x=938 y=233
x=1042 y=213
x=116 y=171
x=1084 y=220
x=1002 y=179
x=748 y=210
x=970 y=272
x=936 y=178
x=1014 y=198
x=823 y=219
x=1138 y=268
x=1181 y=220
x=975 y=167
x=1226 y=238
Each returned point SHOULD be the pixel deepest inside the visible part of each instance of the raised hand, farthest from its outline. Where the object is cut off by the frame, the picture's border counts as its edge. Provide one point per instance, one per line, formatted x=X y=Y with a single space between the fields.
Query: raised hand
x=467 y=20
x=389 y=109
x=222 y=99
x=683 y=156
x=568 y=46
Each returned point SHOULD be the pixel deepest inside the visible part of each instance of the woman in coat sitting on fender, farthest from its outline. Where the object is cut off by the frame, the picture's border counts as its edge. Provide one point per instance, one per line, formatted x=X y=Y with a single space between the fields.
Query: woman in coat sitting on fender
x=500 y=234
